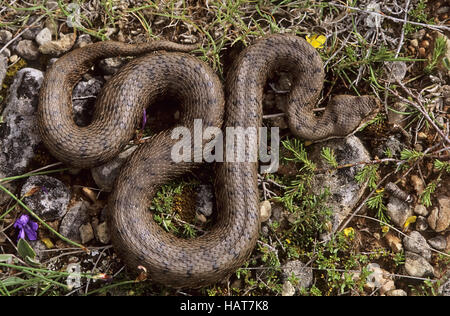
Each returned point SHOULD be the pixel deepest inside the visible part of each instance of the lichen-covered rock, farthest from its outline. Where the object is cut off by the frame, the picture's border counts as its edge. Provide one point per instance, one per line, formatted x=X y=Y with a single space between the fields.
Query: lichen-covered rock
x=302 y=273
x=417 y=266
x=345 y=192
x=19 y=135
x=398 y=210
x=48 y=197
x=439 y=218
x=416 y=243
x=76 y=216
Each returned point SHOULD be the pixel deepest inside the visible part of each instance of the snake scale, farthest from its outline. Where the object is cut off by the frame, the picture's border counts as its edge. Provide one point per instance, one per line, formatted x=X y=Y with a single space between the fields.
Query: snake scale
x=136 y=237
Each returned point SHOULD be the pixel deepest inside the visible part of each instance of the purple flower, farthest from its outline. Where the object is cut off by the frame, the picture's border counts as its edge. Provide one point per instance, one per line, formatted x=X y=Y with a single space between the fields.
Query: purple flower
x=26 y=227
x=144 y=118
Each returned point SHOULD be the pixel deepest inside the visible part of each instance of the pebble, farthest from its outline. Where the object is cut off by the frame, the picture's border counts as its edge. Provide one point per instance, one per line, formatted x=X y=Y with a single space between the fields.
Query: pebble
x=416 y=243
x=439 y=218
x=378 y=279
x=421 y=210
x=265 y=210
x=76 y=216
x=44 y=36
x=110 y=65
x=6 y=53
x=86 y=233
x=397 y=118
x=3 y=69
x=204 y=202
x=5 y=36
x=396 y=292
x=418 y=184
x=302 y=274
x=83 y=100
x=398 y=211
x=105 y=175
x=27 y=50
x=288 y=289
x=439 y=242
x=417 y=266
x=102 y=233
x=48 y=197
x=394 y=242
x=421 y=224
x=83 y=40
x=58 y=47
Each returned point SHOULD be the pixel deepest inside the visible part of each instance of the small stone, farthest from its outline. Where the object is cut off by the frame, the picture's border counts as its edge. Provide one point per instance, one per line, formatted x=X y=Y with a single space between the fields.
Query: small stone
x=204 y=203
x=422 y=52
x=421 y=224
x=86 y=233
x=444 y=289
x=416 y=243
x=378 y=279
x=200 y=217
x=397 y=118
x=265 y=210
x=297 y=269
x=396 y=292
x=438 y=242
x=6 y=53
x=5 y=36
x=396 y=70
x=398 y=211
x=58 y=47
x=288 y=289
x=389 y=285
x=417 y=266
x=3 y=69
x=111 y=65
x=83 y=100
x=27 y=49
x=418 y=184
x=105 y=175
x=48 y=197
x=30 y=33
x=83 y=40
x=394 y=242
x=414 y=43
x=44 y=36
x=425 y=44
x=13 y=59
x=102 y=233
x=421 y=210
x=76 y=216
x=439 y=218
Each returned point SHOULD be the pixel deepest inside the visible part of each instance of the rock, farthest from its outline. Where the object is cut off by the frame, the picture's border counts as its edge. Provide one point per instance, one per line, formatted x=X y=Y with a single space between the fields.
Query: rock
x=3 y=69
x=44 y=36
x=421 y=224
x=27 y=49
x=102 y=233
x=444 y=289
x=111 y=65
x=418 y=184
x=265 y=210
x=417 y=266
x=5 y=36
x=86 y=233
x=421 y=210
x=396 y=292
x=378 y=279
x=439 y=218
x=49 y=197
x=288 y=289
x=302 y=274
x=19 y=136
x=40 y=250
x=105 y=175
x=394 y=242
x=438 y=242
x=83 y=40
x=76 y=216
x=84 y=96
x=205 y=200
x=396 y=70
x=345 y=192
x=394 y=115
x=58 y=47
x=398 y=211
x=6 y=53
x=31 y=33
x=416 y=243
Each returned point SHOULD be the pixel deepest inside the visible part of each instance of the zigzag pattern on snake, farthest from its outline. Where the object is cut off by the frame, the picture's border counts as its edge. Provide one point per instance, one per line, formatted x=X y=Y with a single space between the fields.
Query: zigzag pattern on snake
x=136 y=237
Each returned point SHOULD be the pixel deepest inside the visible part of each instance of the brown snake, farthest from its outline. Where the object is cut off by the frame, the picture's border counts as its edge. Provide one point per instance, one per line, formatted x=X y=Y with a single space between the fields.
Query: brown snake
x=136 y=237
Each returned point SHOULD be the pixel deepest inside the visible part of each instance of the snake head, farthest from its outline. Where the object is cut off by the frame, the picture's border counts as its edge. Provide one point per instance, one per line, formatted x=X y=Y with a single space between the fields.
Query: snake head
x=350 y=113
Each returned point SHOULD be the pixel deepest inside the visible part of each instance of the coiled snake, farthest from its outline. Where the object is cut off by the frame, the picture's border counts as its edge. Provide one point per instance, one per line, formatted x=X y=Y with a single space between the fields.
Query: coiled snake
x=135 y=235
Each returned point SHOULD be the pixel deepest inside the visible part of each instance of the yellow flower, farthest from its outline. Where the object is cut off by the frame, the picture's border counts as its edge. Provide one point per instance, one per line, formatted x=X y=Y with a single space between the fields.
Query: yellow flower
x=349 y=232
x=316 y=40
x=48 y=243
x=288 y=241
x=385 y=229
x=409 y=220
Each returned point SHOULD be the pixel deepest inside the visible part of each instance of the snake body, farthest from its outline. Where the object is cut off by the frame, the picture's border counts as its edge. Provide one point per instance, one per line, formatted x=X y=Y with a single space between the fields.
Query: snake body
x=136 y=237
